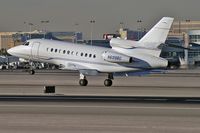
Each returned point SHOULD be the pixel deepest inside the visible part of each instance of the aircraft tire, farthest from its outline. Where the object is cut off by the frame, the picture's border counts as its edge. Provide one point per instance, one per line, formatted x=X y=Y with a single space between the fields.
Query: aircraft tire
x=108 y=82
x=83 y=82
x=31 y=72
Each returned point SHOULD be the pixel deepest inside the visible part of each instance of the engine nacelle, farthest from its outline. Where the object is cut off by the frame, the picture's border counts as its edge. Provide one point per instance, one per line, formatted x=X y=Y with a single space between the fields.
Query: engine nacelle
x=116 y=57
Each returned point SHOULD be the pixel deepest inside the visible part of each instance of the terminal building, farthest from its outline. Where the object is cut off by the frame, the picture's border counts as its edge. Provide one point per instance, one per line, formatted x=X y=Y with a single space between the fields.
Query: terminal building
x=188 y=35
x=6 y=40
x=11 y=39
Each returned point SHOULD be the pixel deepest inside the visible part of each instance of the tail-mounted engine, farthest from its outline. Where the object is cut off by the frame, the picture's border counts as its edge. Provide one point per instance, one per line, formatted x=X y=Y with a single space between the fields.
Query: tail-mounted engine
x=115 y=57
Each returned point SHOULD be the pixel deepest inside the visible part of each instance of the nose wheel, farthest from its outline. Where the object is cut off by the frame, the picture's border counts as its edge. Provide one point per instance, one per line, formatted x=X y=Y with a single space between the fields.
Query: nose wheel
x=31 y=72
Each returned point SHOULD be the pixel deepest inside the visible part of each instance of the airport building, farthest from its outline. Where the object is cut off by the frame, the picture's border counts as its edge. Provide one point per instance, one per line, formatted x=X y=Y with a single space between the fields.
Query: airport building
x=188 y=34
x=11 y=39
x=6 y=40
x=185 y=26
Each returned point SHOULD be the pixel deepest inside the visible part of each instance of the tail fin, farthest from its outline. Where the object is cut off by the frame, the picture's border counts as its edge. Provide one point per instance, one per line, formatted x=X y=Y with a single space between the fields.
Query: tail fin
x=159 y=32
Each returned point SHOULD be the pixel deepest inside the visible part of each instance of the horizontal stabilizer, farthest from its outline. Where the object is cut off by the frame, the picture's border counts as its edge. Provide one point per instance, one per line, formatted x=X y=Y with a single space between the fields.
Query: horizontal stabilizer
x=115 y=42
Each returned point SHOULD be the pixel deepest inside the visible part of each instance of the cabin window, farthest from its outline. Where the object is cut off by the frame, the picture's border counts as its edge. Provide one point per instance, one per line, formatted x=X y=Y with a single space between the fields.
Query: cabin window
x=51 y=49
x=76 y=53
x=56 y=50
x=59 y=50
x=47 y=49
x=90 y=55
x=72 y=52
x=94 y=56
x=26 y=44
x=68 y=52
x=81 y=54
x=64 y=51
x=86 y=54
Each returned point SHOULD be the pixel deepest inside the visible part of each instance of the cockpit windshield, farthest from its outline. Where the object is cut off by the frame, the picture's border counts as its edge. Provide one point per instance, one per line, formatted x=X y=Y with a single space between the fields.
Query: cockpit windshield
x=26 y=44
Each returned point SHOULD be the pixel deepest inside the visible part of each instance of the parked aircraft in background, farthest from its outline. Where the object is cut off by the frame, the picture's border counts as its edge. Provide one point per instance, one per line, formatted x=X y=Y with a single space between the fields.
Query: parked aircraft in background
x=124 y=56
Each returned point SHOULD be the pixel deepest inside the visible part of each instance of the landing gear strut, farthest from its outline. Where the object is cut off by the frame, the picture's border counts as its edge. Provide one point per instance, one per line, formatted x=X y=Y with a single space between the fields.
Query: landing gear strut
x=83 y=81
x=31 y=71
x=108 y=82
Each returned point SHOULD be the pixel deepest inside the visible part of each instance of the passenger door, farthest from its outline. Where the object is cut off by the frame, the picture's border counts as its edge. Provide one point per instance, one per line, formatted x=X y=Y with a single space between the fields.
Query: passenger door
x=35 y=50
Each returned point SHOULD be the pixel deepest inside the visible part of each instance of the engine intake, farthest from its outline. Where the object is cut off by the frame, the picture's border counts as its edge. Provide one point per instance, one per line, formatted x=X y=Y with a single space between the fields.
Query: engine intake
x=116 y=57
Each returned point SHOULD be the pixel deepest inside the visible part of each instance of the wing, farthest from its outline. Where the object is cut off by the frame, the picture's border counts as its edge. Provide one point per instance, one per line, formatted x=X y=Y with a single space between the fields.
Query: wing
x=85 y=70
x=140 y=73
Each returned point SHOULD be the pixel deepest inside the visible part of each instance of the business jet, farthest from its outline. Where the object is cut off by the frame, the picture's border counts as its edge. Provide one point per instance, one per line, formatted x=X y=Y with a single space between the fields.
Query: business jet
x=124 y=56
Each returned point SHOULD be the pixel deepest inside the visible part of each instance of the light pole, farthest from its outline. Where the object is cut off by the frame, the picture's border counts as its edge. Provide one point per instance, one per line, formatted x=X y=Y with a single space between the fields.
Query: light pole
x=30 y=28
x=25 y=25
x=121 y=25
x=25 y=30
x=188 y=23
x=139 y=29
x=45 y=22
x=92 y=24
x=75 y=30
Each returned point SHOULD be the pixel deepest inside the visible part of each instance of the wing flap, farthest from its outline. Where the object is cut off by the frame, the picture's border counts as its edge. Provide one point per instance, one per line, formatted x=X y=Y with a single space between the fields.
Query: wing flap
x=81 y=68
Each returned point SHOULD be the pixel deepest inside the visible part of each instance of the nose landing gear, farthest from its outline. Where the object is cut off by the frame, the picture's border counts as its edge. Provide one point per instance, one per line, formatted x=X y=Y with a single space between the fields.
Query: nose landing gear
x=31 y=72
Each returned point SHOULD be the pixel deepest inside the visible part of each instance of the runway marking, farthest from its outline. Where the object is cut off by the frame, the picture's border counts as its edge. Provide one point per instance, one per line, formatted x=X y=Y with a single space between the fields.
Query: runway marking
x=176 y=128
x=105 y=107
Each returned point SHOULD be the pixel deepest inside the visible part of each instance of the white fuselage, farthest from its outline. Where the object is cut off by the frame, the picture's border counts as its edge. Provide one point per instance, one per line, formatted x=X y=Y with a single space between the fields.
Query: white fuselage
x=83 y=57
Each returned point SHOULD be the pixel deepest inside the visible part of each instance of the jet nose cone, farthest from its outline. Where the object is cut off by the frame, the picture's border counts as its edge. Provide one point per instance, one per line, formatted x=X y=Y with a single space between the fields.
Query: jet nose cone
x=10 y=51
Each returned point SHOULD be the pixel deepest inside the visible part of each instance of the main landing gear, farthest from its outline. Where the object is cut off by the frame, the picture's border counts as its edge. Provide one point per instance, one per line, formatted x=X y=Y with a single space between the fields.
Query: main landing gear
x=108 y=82
x=83 y=81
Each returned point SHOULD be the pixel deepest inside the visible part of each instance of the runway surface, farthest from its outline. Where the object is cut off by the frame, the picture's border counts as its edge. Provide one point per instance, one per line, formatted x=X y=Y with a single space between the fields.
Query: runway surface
x=100 y=116
x=175 y=83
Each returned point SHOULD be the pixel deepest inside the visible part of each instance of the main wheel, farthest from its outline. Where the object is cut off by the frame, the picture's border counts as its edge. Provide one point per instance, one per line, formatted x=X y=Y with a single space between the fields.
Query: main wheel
x=108 y=82
x=31 y=72
x=83 y=82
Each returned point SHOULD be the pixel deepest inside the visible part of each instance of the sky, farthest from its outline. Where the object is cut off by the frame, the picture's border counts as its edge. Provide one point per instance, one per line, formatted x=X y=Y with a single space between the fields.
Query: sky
x=75 y=15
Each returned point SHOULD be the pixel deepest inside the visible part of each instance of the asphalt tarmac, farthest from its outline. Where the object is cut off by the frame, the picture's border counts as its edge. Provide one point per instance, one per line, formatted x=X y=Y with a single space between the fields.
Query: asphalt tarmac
x=174 y=83
x=29 y=116
x=98 y=117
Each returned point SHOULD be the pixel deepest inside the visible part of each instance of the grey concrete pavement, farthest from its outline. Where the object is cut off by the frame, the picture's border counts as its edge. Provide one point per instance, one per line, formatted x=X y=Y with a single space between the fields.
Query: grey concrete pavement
x=178 y=84
x=98 y=117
